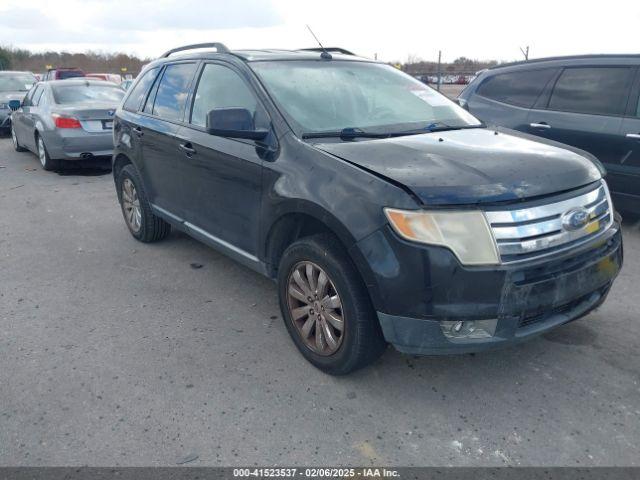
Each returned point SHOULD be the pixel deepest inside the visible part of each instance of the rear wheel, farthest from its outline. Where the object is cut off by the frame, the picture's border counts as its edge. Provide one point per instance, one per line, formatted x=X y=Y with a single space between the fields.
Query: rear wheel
x=14 y=140
x=45 y=160
x=136 y=209
x=326 y=307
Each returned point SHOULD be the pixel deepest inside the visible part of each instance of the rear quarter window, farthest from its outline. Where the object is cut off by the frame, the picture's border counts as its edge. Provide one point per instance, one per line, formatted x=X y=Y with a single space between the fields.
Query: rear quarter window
x=520 y=88
x=139 y=91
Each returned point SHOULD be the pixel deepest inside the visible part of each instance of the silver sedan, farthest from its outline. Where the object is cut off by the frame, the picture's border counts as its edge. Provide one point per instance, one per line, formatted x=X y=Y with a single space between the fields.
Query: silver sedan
x=66 y=119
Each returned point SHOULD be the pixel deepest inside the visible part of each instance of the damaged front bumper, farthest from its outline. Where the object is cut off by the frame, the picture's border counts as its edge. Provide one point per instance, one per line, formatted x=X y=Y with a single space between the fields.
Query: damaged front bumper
x=426 y=289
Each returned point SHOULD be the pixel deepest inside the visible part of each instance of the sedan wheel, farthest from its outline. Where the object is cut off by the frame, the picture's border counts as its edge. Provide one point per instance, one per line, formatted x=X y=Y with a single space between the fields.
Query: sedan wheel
x=131 y=205
x=315 y=308
x=42 y=152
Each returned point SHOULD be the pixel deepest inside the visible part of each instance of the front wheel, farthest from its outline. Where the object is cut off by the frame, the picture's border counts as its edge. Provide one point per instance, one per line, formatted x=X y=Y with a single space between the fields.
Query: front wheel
x=326 y=307
x=14 y=139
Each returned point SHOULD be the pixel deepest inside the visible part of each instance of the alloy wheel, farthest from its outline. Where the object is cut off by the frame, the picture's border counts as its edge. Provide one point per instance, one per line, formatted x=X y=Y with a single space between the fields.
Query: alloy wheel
x=14 y=138
x=42 y=153
x=131 y=205
x=315 y=308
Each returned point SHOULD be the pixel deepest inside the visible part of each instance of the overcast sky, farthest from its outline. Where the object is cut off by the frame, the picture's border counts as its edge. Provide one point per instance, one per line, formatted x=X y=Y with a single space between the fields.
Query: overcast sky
x=481 y=29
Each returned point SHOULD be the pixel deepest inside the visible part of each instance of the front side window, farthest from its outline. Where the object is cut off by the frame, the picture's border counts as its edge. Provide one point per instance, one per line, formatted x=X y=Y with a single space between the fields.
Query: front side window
x=16 y=82
x=71 y=94
x=173 y=91
x=595 y=90
x=328 y=96
x=220 y=87
x=521 y=89
x=139 y=92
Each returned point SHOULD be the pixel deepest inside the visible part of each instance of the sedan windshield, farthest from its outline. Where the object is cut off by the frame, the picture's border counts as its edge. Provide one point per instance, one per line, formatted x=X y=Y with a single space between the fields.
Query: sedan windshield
x=338 y=96
x=16 y=83
x=69 y=94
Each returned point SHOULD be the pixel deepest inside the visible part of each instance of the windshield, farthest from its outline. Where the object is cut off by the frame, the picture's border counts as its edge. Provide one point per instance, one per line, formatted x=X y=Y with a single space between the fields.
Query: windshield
x=68 y=94
x=16 y=83
x=322 y=96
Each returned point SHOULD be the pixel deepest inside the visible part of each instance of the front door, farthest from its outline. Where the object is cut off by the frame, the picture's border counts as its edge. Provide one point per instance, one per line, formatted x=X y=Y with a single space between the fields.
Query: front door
x=222 y=176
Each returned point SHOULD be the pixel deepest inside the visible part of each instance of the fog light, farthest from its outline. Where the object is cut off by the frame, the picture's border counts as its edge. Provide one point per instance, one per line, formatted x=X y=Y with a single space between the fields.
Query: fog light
x=469 y=328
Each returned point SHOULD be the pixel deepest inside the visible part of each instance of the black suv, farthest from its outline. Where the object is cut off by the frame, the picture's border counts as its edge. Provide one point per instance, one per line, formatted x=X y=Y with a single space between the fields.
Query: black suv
x=385 y=212
x=591 y=102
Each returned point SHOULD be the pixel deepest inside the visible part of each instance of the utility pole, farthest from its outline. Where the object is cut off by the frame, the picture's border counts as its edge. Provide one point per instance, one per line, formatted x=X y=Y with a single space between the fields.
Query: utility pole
x=439 y=69
x=525 y=52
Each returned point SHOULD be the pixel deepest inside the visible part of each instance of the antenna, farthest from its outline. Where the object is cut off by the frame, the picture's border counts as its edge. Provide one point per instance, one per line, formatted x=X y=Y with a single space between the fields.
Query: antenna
x=325 y=53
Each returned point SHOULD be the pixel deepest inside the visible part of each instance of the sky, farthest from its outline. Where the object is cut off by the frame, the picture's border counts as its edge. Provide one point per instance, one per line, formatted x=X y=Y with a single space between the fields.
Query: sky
x=392 y=30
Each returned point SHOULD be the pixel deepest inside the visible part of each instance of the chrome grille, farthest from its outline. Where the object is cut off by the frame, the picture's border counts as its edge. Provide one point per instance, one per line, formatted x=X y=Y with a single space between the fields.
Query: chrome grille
x=525 y=233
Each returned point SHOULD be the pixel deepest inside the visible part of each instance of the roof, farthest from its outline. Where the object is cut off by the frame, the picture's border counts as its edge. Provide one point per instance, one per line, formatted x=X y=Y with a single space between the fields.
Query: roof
x=606 y=56
x=78 y=81
x=13 y=72
x=204 y=50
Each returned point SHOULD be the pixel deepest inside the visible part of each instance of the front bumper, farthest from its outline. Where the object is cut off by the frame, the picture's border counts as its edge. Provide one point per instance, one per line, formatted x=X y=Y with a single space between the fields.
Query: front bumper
x=417 y=287
x=77 y=144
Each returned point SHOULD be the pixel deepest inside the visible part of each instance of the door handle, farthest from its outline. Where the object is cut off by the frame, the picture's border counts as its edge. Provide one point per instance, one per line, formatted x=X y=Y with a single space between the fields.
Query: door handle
x=633 y=135
x=540 y=125
x=188 y=149
x=138 y=131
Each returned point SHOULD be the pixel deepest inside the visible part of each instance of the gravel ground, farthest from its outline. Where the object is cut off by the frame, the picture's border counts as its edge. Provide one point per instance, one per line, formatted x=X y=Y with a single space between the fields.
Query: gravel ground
x=117 y=353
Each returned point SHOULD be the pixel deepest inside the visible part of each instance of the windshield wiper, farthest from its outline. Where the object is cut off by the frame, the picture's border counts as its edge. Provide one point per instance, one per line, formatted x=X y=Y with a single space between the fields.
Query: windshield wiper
x=346 y=133
x=442 y=127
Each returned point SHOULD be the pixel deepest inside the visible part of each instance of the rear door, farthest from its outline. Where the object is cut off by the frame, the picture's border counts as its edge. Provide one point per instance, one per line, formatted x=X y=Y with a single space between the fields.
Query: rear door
x=160 y=119
x=505 y=98
x=585 y=108
x=223 y=176
x=628 y=171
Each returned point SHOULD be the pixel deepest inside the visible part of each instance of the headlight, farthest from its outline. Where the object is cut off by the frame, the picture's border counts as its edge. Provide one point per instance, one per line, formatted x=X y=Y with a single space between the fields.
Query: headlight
x=466 y=233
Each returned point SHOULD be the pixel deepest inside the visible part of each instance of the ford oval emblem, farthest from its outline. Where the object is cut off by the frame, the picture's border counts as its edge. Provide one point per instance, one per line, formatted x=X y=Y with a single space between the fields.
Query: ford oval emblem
x=575 y=218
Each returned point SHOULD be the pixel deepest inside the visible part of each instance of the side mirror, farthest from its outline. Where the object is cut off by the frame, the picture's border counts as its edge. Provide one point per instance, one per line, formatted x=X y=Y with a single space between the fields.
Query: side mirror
x=15 y=104
x=233 y=123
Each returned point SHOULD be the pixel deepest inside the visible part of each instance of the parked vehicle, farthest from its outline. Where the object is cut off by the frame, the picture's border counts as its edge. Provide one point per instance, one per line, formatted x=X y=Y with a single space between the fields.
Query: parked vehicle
x=108 y=77
x=63 y=74
x=590 y=102
x=66 y=119
x=386 y=213
x=13 y=86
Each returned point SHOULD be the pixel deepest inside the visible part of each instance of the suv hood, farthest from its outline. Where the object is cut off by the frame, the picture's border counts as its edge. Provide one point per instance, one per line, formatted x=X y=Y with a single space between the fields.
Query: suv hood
x=471 y=166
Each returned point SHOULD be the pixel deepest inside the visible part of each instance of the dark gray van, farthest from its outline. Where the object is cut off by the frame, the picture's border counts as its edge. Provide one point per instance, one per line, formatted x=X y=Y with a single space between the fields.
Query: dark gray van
x=589 y=102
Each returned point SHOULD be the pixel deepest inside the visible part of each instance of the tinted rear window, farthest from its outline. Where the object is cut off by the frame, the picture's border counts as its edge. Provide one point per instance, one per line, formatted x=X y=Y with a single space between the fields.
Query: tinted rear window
x=517 y=88
x=596 y=90
x=69 y=74
x=173 y=91
x=69 y=94
x=139 y=92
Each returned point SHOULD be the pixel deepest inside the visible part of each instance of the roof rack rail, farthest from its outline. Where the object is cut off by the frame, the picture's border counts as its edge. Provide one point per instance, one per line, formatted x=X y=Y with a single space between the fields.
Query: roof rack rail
x=328 y=49
x=220 y=47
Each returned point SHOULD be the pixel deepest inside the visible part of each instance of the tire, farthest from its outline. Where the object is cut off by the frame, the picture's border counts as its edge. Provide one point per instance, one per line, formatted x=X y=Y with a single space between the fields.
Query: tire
x=16 y=144
x=46 y=161
x=360 y=341
x=148 y=227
